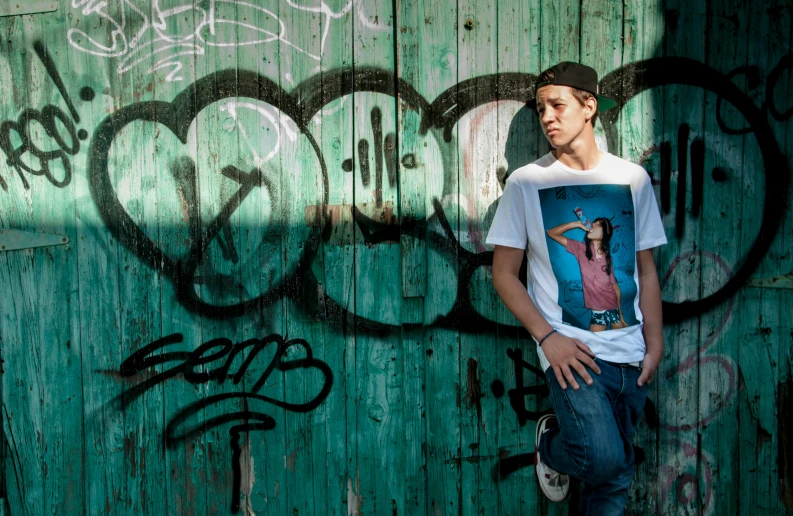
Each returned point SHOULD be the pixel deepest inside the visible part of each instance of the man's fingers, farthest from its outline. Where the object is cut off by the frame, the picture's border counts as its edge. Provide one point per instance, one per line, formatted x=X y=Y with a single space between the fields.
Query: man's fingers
x=582 y=372
x=568 y=373
x=583 y=347
x=647 y=376
x=559 y=377
x=587 y=361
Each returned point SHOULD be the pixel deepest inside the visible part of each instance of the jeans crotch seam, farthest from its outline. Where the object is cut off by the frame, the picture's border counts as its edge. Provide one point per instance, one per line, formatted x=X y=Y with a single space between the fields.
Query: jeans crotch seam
x=622 y=385
x=585 y=462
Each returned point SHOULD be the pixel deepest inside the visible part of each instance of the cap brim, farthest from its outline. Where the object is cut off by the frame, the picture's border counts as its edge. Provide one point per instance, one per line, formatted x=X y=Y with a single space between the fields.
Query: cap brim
x=605 y=103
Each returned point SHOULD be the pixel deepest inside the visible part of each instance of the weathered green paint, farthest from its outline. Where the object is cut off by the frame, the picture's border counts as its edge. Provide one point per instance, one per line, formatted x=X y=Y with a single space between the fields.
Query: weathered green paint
x=355 y=213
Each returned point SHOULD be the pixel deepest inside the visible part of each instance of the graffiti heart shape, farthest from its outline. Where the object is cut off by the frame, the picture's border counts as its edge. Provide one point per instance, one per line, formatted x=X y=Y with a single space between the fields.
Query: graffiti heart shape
x=178 y=116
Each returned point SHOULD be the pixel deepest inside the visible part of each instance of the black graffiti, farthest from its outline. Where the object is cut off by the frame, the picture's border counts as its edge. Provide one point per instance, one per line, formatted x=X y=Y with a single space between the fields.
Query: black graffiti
x=632 y=79
x=785 y=64
x=753 y=82
x=384 y=154
x=441 y=115
x=17 y=140
x=177 y=116
x=301 y=105
x=194 y=367
x=697 y=149
x=517 y=395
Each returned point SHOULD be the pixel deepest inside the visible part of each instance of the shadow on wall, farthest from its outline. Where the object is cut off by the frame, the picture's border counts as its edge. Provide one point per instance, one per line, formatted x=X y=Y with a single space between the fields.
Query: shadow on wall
x=722 y=182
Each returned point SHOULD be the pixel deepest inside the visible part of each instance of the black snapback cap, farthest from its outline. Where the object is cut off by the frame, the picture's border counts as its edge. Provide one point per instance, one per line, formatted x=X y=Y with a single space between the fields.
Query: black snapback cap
x=576 y=76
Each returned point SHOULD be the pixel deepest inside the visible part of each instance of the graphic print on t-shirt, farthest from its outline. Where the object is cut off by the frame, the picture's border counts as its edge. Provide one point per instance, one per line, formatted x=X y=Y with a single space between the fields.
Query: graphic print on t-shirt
x=590 y=232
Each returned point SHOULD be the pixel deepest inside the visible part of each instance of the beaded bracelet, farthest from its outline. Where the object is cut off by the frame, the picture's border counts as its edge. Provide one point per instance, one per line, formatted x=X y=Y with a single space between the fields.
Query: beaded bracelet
x=543 y=339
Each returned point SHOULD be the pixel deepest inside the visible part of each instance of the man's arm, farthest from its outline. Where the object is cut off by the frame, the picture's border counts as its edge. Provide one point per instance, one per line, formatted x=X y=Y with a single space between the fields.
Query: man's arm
x=650 y=305
x=557 y=232
x=563 y=353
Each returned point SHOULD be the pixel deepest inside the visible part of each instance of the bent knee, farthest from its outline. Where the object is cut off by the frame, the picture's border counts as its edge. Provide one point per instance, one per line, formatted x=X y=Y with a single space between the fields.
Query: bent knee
x=605 y=464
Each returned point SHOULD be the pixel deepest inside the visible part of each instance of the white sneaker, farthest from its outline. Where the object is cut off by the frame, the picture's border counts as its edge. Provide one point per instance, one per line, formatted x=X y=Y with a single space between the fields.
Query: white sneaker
x=555 y=486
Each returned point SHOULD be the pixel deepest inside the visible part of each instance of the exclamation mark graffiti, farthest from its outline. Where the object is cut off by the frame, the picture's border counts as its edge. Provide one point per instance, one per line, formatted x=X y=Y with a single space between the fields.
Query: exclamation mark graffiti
x=65 y=136
x=697 y=177
x=384 y=157
x=46 y=60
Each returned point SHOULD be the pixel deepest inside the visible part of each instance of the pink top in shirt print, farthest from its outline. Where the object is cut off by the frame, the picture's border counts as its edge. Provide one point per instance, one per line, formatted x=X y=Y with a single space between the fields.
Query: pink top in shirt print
x=599 y=293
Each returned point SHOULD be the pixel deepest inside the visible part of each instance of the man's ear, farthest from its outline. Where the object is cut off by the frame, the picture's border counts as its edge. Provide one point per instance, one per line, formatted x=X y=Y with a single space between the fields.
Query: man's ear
x=592 y=107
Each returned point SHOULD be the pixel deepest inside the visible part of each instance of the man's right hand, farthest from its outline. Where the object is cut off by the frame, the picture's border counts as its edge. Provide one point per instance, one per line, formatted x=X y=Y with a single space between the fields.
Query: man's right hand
x=565 y=354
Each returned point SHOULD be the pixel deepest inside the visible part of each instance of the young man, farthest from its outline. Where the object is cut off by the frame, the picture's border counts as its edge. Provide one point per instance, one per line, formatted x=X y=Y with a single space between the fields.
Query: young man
x=598 y=350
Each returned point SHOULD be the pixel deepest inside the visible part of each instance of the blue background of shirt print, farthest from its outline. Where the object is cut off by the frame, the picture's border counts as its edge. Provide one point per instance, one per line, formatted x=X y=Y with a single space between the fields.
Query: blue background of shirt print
x=597 y=200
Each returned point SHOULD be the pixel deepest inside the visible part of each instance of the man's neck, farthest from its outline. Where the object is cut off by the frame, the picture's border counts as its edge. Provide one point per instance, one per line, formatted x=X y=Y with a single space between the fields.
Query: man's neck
x=581 y=153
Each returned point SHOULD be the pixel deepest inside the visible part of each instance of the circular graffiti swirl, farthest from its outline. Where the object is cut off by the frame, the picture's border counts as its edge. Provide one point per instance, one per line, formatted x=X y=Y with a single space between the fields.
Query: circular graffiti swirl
x=631 y=80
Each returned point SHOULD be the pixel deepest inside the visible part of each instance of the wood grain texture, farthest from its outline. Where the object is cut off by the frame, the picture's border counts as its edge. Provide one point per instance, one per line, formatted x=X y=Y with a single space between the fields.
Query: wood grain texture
x=323 y=175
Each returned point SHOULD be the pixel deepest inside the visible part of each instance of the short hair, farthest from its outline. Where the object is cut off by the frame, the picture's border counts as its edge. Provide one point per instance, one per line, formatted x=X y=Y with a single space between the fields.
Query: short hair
x=582 y=96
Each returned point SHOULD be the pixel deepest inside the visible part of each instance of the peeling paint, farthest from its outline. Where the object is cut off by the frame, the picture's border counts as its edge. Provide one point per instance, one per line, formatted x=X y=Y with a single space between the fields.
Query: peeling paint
x=354 y=498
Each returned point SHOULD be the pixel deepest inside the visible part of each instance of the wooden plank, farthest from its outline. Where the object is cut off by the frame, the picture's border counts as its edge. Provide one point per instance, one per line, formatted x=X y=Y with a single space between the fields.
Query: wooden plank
x=302 y=176
x=260 y=268
x=409 y=31
x=640 y=129
x=178 y=207
x=441 y=348
x=60 y=346
x=333 y=128
x=98 y=259
x=377 y=284
x=758 y=337
x=522 y=141
x=477 y=132
x=412 y=175
x=560 y=32
x=679 y=388
x=725 y=205
x=779 y=34
x=601 y=43
x=23 y=388
x=140 y=462
x=216 y=150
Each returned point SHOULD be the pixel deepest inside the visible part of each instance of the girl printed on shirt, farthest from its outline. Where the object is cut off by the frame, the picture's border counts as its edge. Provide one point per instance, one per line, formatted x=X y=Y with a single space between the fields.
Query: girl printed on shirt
x=601 y=291
x=593 y=260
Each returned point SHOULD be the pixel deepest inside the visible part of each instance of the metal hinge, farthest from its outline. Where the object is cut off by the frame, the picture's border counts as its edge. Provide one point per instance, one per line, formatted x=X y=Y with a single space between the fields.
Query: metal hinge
x=781 y=282
x=14 y=239
x=20 y=7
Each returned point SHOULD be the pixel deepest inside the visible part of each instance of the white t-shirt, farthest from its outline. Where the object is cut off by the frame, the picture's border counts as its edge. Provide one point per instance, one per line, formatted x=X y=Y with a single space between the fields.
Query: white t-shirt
x=573 y=289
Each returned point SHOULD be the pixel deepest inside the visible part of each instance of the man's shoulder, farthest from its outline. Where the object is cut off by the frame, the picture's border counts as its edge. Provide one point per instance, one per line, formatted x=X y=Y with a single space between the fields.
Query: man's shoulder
x=626 y=165
x=532 y=171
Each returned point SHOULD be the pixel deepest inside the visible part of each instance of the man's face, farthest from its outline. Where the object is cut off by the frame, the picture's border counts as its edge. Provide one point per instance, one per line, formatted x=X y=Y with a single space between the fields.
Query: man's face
x=562 y=117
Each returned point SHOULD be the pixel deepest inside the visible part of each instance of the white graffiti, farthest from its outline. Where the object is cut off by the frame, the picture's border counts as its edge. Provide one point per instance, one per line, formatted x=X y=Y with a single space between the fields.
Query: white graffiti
x=233 y=107
x=161 y=37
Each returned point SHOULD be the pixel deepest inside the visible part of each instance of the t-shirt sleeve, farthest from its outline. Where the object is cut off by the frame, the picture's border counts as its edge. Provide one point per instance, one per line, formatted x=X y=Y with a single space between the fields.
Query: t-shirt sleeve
x=649 y=226
x=509 y=223
x=575 y=247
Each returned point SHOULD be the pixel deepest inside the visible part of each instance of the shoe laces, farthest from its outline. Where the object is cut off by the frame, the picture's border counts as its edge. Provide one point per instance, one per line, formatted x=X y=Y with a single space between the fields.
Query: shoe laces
x=555 y=479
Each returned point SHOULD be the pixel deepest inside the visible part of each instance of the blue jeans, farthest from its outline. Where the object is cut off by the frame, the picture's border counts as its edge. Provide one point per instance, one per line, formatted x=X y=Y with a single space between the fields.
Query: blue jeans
x=593 y=440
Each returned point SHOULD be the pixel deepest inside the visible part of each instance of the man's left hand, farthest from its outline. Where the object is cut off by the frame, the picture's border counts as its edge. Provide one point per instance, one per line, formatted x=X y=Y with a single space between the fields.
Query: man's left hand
x=649 y=366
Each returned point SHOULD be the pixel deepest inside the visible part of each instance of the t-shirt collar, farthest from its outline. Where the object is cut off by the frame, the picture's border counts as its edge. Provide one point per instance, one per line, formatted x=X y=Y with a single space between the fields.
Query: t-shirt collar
x=603 y=158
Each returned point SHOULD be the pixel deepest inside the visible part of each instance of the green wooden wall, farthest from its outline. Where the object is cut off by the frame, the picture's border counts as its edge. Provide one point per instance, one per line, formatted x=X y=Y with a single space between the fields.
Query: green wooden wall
x=242 y=259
